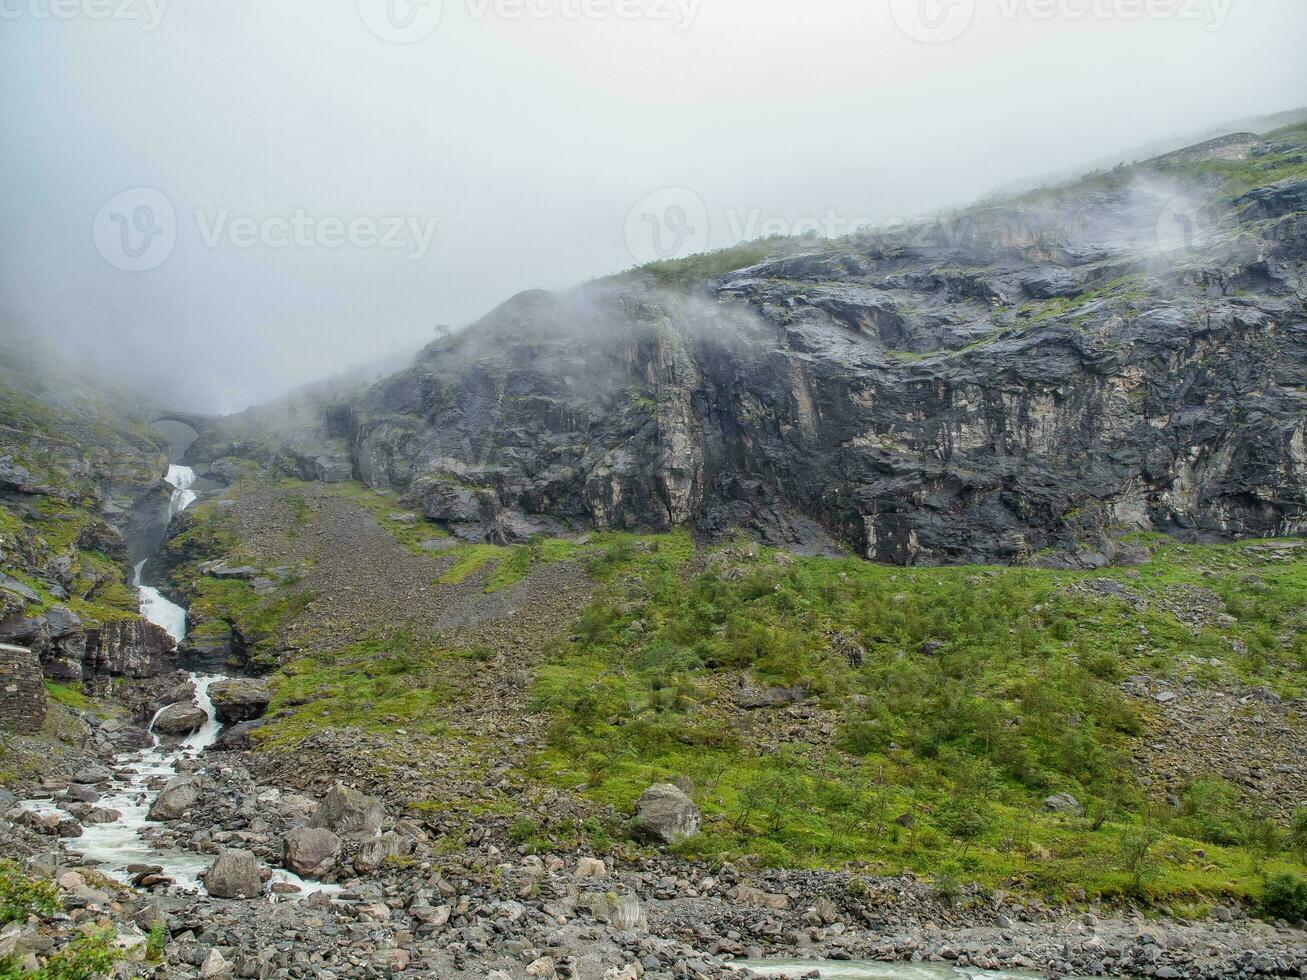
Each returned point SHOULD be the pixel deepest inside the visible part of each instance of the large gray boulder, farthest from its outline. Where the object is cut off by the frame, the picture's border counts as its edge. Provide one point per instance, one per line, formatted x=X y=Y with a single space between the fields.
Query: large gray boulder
x=179 y=720
x=181 y=793
x=310 y=851
x=347 y=811
x=1066 y=804
x=240 y=699
x=667 y=815
x=235 y=874
x=374 y=853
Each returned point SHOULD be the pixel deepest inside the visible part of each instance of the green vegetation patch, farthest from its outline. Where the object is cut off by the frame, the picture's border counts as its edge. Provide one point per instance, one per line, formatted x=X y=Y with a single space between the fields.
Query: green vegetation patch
x=378 y=685
x=927 y=713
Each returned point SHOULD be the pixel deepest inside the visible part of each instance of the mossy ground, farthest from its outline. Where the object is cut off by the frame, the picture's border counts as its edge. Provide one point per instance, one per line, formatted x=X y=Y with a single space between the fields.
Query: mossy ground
x=946 y=705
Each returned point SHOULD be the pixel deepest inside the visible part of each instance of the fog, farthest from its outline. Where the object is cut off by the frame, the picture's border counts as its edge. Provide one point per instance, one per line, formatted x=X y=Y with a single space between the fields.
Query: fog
x=216 y=201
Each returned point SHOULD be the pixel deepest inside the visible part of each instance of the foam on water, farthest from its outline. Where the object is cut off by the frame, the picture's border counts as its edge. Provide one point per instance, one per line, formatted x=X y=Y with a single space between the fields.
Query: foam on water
x=116 y=846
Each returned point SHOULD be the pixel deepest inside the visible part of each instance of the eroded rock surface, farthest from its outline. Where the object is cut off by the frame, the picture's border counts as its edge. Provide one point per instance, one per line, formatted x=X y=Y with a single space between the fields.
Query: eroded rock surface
x=1012 y=383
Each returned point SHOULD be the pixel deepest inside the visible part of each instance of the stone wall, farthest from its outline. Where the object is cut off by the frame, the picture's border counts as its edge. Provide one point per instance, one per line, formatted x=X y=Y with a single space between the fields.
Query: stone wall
x=22 y=691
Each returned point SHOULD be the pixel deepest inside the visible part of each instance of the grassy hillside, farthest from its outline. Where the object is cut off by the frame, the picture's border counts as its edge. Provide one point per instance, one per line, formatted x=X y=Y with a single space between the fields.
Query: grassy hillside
x=923 y=716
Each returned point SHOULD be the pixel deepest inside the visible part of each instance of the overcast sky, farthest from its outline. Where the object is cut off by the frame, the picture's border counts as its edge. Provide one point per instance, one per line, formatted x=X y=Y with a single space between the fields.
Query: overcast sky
x=224 y=198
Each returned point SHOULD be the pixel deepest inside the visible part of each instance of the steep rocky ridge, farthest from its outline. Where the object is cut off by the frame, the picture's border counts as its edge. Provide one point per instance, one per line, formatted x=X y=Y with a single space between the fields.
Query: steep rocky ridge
x=1017 y=382
x=82 y=498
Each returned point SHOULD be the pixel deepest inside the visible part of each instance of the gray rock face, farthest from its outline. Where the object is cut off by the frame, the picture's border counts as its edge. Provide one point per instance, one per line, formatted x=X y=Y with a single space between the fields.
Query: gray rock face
x=347 y=811
x=374 y=853
x=180 y=719
x=666 y=814
x=1020 y=380
x=235 y=874
x=240 y=699
x=311 y=851
x=69 y=651
x=181 y=793
x=1065 y=803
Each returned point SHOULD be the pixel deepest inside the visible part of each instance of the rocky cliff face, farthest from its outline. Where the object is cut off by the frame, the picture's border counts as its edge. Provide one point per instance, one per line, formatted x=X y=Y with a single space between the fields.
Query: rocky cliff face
x=81 y=497
x=1125 y=354
x=1017 y=382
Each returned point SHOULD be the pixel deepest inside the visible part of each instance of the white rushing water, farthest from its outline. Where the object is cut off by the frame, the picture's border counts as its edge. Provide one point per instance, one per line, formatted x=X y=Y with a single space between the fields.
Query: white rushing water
x=117 y=846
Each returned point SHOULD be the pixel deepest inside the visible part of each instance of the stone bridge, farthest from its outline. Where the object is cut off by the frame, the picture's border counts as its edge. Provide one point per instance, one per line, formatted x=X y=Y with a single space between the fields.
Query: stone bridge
x=200 y=423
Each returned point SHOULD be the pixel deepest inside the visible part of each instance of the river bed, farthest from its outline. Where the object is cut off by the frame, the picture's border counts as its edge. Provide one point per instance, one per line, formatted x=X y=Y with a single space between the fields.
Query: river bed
x=117 y=847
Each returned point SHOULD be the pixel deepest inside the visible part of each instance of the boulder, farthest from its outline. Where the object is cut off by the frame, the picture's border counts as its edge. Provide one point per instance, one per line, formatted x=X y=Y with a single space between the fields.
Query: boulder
x=374 y=853
x=181 y=793
x=235 y=874
x=310 y=851
x=754 y=698
x=666 y=814
x=179 y=720
x=347 y=811
x=588 y=867
x=1065 y=803
x=240 y=699
x=238 y=737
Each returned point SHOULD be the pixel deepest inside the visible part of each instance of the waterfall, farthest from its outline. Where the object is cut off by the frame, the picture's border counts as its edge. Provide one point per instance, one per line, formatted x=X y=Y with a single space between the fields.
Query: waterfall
x=118 y=845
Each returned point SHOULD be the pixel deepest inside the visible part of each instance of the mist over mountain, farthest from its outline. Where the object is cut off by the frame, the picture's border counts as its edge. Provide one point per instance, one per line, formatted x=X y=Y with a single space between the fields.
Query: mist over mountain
x=653 y=490
x=518 y=152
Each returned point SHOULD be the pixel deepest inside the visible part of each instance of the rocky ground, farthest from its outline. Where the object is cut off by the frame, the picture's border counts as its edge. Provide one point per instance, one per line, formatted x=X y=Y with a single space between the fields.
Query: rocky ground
x=416 y=901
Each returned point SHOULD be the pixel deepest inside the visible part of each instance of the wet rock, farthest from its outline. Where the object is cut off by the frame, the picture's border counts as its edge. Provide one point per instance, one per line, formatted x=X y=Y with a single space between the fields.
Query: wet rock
x=310 y=852
x=235 y=874
x=180 y=720
x=240 y=699
x=238 y=737
x=666 y=814
x=179 y=795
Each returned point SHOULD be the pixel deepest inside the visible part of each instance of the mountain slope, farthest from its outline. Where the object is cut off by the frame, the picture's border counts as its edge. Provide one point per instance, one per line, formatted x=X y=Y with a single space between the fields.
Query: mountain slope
x=1126 y=353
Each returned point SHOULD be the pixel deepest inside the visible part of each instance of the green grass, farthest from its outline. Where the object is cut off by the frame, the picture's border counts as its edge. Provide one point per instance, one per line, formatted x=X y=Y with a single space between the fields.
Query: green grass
x=960 y=697
x=69 y=695
x=506 y=566
x=377 y=685
x=468 y=559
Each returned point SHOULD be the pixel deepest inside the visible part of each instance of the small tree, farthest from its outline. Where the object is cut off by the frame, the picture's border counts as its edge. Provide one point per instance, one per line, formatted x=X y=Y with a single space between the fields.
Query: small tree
x=1138 y=858
x=966 y=819
x=1285 y=898
x=1298 y=831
